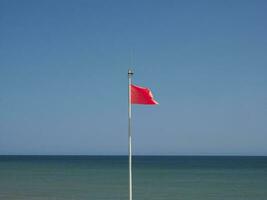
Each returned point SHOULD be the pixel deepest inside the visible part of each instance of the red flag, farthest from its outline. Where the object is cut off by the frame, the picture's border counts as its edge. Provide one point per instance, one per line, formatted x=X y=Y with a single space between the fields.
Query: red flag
x=141 y=95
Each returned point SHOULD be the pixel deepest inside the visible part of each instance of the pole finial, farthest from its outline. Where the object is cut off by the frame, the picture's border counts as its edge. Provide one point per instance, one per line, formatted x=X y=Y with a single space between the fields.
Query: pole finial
x=130 y=72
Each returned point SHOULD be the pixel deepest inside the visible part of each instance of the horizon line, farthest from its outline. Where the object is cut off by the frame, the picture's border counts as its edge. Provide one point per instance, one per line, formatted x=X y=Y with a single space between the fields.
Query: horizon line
x=148 y=155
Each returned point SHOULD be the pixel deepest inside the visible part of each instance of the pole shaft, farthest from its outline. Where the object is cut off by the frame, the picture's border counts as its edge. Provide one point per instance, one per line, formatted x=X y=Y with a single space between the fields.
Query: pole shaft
x=129 y=134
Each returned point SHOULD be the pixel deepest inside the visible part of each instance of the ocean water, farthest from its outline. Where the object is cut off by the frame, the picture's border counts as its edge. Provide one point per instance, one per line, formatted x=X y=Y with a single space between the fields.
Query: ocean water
x=154 y=177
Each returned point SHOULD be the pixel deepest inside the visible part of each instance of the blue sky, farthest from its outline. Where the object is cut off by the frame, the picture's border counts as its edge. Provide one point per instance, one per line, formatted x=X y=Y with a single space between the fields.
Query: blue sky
x=63 y=76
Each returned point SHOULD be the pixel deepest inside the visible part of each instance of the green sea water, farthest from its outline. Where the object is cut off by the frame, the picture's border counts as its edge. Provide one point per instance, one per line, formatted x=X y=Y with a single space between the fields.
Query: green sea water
x=154 y=177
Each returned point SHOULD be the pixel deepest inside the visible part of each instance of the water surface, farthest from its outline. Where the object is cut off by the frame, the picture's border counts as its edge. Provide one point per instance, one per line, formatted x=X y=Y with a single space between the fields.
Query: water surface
x=155 y=177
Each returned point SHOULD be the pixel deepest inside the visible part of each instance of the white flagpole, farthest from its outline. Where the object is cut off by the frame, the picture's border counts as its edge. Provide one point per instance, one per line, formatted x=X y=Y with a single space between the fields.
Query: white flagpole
x=130 y=73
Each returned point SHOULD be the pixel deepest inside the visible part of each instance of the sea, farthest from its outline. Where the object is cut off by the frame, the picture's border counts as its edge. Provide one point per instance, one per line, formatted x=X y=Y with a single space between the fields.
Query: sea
x=154 y=178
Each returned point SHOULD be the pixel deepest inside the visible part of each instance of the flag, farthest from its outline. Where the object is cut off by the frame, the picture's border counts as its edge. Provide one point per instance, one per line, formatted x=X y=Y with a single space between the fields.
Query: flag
x=141 y=95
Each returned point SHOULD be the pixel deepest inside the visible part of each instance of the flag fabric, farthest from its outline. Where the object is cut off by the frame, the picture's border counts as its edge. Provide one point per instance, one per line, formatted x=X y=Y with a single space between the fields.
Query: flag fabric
x=141 y=95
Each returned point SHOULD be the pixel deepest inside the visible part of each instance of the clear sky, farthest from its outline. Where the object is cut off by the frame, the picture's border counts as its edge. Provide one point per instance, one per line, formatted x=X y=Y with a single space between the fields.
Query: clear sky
x=63 y=76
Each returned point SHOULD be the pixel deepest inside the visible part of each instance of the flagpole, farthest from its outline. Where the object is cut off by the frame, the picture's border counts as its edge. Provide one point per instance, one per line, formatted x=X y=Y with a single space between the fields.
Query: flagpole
x=130 y=74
